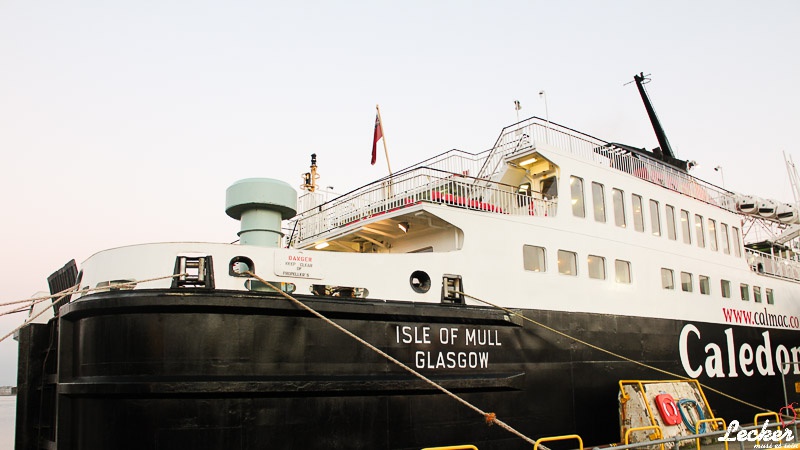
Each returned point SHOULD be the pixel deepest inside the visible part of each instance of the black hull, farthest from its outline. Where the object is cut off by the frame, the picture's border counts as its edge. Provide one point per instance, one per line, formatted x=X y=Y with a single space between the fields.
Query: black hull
x=227 y=370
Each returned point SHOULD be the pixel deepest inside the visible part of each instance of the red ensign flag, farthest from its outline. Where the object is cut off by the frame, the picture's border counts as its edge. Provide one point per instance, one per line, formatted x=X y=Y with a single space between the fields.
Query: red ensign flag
x=377 y=136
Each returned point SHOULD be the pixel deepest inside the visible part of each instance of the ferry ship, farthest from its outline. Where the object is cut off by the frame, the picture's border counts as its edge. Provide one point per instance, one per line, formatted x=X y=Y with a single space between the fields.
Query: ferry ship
x=485 y=273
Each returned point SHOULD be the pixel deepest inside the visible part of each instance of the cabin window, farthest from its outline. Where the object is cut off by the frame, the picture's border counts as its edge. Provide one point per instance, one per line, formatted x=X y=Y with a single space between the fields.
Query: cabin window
x=567 y=263
x=619 y=207
x=698 y=227
x=725 y=288
x=672 y=232
x=705 y=287
x=757 y=294
x=599 y=201
x=533 y=258
x=686 y=282
x=712 y=234
x=576 y=188
x=549 y=188
x=623 y=270
x=667 y=278
x=726 y=244
x=655 y=218
x=638 y=214
x=770 y=298
x=744 y=290
x=685 y=227
x=737 y=248
x=597 y=267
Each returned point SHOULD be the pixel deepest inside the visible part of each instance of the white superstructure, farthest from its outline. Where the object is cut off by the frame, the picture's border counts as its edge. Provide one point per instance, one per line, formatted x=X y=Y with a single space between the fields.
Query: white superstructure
x=548 y=219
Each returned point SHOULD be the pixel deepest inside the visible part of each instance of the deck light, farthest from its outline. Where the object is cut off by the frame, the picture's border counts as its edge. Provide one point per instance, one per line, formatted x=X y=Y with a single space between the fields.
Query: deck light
x=527 y=161
x=321 y=245
x=404 y=226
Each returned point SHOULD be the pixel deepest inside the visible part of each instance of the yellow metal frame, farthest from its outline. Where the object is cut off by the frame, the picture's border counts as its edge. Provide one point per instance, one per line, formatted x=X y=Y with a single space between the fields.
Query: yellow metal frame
x=453 y=447
x=765 y=414
x=713 y=421
x=650 y=414
x=558 y=438
x=659 y=434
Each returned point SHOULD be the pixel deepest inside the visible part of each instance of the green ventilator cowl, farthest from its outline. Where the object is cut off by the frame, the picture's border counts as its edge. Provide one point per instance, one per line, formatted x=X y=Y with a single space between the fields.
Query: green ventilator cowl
x=260 y=204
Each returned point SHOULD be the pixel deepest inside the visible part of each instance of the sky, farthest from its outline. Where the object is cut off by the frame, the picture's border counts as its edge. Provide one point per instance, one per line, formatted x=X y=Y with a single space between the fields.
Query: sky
x=124 y=122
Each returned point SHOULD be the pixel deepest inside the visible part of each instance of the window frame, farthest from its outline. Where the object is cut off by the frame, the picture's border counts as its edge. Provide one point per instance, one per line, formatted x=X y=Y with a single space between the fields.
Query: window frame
x=668 y=284
x=686 y=227
x=672 y=228
x=687 y=286
x=599 y=204
x=655 y=217
x=638 y=216
x=618 y=200
x=574 y=266
x=578 y=203
x=525 y=259
x=602 y=261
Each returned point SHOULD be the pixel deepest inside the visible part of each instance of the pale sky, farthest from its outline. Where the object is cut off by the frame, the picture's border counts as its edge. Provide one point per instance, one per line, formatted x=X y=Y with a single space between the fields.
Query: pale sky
x=124 y=122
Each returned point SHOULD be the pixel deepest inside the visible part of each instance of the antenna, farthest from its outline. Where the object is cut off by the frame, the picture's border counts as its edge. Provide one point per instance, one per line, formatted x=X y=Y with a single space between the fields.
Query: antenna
x=793 y=178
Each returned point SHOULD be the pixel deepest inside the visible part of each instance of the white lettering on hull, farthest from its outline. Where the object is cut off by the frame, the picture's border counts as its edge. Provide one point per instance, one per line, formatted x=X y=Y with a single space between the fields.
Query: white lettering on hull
x=741 y=357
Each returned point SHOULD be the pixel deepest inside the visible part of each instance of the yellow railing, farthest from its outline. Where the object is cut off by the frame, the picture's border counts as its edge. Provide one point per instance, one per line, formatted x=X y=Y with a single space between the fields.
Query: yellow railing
x=659 y=434
x=558 y=438
x=765 y=414
x=453 y=447
x=712 y=422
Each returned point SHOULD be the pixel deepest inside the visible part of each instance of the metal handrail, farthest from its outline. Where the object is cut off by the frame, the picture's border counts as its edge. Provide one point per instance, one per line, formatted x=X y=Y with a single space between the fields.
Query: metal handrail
x=420 y=185
x=558 y=438
x=713 y=421
x=774 y=265
x=659 y=434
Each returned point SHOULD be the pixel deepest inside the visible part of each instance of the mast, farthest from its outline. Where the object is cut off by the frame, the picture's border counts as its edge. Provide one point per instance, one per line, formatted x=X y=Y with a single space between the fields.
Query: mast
x=666 y=153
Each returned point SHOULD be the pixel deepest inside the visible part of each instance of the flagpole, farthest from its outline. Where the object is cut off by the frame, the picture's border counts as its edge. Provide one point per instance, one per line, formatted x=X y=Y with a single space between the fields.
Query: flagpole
x=383 y=134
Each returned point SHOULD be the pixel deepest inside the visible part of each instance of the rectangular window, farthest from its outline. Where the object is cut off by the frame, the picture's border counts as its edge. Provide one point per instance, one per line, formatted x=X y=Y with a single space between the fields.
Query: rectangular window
x=599 y=201
x=567 y=263
x=623 y=270
x=737 y=247
x=672 y=231
x=757 y=294
x=726 y=244
x=667 y=279
x=699 y=232
x=744 y=290
x=655 y=218
x=705 y=287
x=597 y=267
x=770 y=298
x=686 y=282
x=533 y=258
x=576 y=188
x=725 y=287
x=712 y=234
x=619 y=207
x=638 y=214
x=686 y=227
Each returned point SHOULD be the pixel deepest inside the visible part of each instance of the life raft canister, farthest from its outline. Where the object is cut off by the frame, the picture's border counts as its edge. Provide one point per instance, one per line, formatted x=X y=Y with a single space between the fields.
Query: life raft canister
x=668 y=409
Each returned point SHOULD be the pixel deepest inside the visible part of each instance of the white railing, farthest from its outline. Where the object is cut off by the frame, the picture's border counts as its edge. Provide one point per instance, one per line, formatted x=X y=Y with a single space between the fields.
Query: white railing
x=528 y=133
x=413 y=187
x=474 y=173
x=775 y=265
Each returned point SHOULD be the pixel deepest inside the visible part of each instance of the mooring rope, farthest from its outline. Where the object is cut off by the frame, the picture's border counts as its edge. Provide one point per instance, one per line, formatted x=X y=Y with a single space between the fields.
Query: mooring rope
x=490 y=418
x=69 y=291
x=616 y=355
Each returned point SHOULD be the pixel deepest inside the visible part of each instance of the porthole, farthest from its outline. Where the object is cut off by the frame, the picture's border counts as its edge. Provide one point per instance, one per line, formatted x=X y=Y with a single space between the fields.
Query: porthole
x=239 y=265
x=420 y=282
